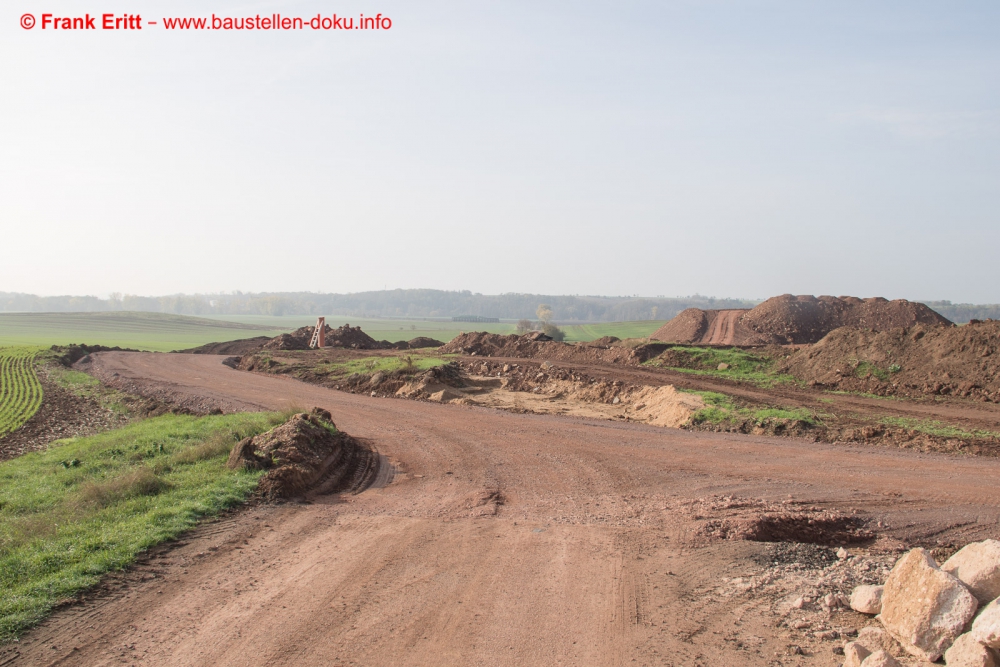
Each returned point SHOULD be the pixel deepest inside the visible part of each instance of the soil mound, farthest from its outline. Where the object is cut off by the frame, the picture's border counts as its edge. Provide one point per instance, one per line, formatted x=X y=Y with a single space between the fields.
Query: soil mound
x=420 y=342
x=345 y=336
x=306 y=453
x=233 y=347
x=788 y=319
x=917 y=361
x=524 y=347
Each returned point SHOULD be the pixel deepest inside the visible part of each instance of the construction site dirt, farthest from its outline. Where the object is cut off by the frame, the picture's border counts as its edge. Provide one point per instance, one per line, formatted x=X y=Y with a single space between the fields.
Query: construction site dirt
x=503 y=538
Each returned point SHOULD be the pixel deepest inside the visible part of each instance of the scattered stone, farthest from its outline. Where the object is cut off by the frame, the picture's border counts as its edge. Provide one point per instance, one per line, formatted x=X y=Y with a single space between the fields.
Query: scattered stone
x=867 y=599
x=967 y=652
x=723 y=367
x=842 y=553
x=855 y=654
x=800 y=625
x=924 y=608
x=977 y=565
x=880 y=659
x=799 y=603
x=876 y=639
x=986 y=629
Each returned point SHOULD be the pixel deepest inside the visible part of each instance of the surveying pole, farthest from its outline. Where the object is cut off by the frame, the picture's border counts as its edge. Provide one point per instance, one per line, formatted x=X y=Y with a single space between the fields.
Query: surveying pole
x=319 y=334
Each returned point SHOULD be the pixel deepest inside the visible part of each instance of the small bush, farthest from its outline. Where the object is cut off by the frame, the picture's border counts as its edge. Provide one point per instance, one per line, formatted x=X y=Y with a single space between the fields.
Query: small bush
x=554 y=332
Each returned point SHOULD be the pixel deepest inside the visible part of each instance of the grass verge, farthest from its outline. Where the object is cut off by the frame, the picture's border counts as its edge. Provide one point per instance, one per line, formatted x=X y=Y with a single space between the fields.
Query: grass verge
x=720 y=408
x=933 y=427
x=730 y=363
x=87 y=506
x=410 y=363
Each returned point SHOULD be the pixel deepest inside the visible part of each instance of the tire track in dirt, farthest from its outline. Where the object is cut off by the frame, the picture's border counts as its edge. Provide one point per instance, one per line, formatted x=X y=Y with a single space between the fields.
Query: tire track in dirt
x=588 y=559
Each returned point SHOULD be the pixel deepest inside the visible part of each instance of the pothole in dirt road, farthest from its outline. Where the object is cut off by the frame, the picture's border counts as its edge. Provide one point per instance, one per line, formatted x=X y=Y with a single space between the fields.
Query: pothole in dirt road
x=755 y=520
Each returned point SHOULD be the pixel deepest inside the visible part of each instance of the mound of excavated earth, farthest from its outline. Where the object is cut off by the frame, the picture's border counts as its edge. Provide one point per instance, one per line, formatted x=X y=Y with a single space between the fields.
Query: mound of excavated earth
x=345 y=337
x=480 y=343
x=791 y=319
x=306 y=453
x=922 y=360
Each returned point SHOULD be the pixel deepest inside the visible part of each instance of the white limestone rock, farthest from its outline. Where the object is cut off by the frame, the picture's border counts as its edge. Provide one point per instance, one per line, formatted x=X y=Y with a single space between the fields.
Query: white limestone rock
x=977 y=565
x=854 y=654
x=924 y=608
x=867 y=599
x=881 y=659
x=986 y=628
x=967 y=652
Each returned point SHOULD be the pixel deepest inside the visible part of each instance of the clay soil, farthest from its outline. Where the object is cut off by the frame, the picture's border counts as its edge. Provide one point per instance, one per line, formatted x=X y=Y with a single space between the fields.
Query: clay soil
x=793 y=320
x=523 y=539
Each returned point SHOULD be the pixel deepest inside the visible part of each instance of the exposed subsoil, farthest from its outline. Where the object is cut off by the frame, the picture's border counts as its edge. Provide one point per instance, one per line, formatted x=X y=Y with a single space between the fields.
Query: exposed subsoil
x=918 y=361
x=544 y=384
x=345 y=336
x=508 y=539
x=788 y=319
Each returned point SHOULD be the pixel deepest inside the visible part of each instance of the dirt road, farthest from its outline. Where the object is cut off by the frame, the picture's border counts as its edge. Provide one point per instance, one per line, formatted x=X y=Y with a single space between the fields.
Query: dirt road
x=500 y=539
x=722 y=330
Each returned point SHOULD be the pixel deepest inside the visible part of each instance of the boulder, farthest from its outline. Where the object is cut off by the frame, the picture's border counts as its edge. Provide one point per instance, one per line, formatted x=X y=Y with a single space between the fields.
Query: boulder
x=875 y=638
x=986 y=629
x=881 y=659
x=977 y=565
x=967 y=652
x=924 y=608
x=867 y=599
x=855 y=654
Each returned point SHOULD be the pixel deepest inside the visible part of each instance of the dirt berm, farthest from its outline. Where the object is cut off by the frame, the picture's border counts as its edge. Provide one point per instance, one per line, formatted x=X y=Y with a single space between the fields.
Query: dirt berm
x=788 y=319
x=306 y=454
x=343 y=337
x=921 y=360
x=523 y=347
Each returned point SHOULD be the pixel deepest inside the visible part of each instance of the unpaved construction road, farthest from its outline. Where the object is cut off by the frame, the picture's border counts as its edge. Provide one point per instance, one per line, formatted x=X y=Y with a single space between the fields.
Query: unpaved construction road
x=495 y=539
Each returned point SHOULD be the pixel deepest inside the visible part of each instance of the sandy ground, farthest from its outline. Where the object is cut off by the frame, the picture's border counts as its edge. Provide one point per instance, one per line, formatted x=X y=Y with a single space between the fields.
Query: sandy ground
x=500 y=539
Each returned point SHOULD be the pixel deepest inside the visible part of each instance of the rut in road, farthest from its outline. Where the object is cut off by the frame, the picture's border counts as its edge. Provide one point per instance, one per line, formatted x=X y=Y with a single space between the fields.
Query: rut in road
x=593 y=553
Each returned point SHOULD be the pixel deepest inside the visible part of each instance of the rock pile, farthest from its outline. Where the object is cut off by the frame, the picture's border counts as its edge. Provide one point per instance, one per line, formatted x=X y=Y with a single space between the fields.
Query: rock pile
x=931 y=611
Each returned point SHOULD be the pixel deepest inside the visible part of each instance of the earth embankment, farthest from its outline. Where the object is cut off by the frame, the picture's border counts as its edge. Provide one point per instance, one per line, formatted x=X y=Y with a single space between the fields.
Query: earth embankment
x=789 y=319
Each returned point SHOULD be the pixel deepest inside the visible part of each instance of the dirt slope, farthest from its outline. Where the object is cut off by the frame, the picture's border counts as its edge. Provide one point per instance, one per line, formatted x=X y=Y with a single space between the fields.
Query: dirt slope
x=508 y=539
x=789 y=319
x=922 y=360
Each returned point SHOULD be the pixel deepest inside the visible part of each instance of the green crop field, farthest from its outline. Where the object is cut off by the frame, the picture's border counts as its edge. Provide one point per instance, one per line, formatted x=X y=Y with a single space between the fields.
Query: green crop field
x=20 y=391
x=142 y=331
x=588 y=332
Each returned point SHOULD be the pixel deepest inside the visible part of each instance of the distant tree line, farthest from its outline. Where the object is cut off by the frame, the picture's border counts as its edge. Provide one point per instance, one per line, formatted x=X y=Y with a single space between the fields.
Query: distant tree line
x=416 y=303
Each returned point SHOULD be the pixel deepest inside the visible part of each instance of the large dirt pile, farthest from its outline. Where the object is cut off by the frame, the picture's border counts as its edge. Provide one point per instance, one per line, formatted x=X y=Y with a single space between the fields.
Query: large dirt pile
x=789 y=319
x=525 y=347
x=920 y=360
x=345 y=336
x=304 y=454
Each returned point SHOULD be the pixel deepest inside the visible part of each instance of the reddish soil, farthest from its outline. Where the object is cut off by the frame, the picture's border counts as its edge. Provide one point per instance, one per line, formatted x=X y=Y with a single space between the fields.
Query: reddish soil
x=497 y=345
x=919 y=361
x=788 y=319
x=347 y=337
x=507 y=538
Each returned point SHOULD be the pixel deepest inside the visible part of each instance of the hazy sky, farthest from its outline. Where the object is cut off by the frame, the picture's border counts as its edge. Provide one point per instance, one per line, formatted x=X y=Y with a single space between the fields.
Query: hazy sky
x=740 y=149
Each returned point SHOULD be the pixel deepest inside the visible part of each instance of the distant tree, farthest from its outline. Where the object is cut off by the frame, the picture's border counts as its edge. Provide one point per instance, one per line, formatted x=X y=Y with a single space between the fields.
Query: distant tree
x=523 y=326
x=544 y=313
x=553 y=332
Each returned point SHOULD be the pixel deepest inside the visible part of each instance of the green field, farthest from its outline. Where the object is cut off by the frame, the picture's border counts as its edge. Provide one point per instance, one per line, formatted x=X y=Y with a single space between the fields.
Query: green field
x=20 y=391
x=87 y=506
x=588 y=332
x=143 y=331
